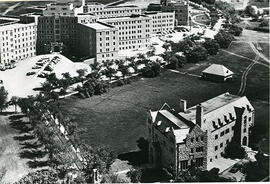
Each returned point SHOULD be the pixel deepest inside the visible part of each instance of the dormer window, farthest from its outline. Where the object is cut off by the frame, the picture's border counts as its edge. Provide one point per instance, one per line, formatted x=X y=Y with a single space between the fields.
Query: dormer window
x=167 y=129
x=159 y=123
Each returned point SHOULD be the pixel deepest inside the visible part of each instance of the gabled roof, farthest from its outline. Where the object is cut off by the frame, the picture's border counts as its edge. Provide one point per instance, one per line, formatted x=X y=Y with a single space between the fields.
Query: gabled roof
x=216 y=69
x=218 y=109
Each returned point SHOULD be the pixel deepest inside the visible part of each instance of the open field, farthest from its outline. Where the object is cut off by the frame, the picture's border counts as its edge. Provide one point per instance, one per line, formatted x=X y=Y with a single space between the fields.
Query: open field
x=118 y=117
x=265 y=48
x=259 y=3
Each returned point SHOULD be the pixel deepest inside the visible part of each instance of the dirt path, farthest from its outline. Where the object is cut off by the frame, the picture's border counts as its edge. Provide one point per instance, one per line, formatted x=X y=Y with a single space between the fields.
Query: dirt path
x=244 y=76
x=258 y=53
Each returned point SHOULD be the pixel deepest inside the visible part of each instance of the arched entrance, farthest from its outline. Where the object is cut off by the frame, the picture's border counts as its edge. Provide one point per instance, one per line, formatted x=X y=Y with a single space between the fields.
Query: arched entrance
x=244 y=141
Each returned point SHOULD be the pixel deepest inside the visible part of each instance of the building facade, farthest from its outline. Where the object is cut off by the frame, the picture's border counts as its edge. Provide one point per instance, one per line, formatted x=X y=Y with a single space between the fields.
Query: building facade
x=198 y=135
x=162 y=21
x=103 y=11
x=134 y=31
x=98 y=40
x=60 y=26
x=18 y=41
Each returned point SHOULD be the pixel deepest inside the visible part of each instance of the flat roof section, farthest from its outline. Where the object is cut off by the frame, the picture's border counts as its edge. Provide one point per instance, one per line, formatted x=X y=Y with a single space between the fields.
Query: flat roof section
x=97 y=26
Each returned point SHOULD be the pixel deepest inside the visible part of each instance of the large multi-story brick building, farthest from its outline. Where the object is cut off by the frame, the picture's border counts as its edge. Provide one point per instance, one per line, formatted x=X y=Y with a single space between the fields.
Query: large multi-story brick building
x=162 y=21
x=198 y=135
x=17 y=40
x=60 y=27
x=134 y=31
x=181 y=9
x=98 y=40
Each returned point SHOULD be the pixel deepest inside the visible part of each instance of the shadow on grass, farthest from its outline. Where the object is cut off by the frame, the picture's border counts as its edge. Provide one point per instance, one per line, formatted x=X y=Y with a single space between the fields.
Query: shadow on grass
x=36 y=164
x=30 y=145
x=154 y=175
x=6 y=113
x=135 y=158
x=16 y=117
x=18 y=124
x=24 y=137
x=32 y=154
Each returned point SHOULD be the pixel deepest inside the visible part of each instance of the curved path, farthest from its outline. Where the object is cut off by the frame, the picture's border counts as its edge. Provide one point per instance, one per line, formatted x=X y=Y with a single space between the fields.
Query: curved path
x=257 y=52
x=244 y=76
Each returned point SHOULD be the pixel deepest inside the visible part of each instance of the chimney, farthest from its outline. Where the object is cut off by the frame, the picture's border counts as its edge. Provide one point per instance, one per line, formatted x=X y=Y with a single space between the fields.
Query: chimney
x=183 y=105
x=199 y=115
x=83 y=2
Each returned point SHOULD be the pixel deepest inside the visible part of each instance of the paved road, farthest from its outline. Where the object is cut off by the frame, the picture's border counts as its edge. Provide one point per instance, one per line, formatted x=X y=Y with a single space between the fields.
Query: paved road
x=11 y=8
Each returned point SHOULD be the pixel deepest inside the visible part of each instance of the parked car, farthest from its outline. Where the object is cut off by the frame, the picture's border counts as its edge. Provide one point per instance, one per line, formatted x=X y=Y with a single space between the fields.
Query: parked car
x=40 y=64
x=42 y=75
x=36 y=67
x=30 y=73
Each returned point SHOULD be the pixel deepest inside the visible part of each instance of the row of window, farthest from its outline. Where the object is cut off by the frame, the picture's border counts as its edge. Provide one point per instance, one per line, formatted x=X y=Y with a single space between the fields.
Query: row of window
x=197 y=139
x=164 y=17
x=197 y=149
x=221 y=144
x=224 y=132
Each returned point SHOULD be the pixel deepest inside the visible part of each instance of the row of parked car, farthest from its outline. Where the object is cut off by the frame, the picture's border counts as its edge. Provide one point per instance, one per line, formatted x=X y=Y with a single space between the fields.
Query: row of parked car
x=40 y=63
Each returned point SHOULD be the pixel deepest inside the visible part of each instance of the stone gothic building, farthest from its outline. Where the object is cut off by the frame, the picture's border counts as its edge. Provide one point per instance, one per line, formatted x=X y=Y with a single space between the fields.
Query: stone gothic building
x=197 y=135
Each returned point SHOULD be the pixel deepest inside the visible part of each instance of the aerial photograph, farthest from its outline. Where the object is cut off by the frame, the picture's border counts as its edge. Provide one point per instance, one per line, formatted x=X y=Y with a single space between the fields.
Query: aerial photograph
x=134 y=91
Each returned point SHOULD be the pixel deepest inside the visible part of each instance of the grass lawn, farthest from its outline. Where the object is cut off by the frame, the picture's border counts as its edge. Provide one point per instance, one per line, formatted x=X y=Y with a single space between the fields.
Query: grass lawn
x=265 y=48
x=259 y=3
x=118 y=118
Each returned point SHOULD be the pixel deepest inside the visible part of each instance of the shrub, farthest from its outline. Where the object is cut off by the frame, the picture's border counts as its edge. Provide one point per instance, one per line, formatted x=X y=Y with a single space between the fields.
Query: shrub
x=224 y=39
x=211 y=46
x=135 y=175
x=151 y=70
x=197 y=54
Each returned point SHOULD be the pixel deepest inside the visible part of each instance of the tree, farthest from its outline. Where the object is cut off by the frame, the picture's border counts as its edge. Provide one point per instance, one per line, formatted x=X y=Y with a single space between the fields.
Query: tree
x=235 y=30
x=113 y=178
x=151 y=70
x=166 y=46
x=14 y=101
x=99 y=158
x=234 y=150
x=109 y=72
x=181 y=60
x=42 y=176
x=135 y=175
x=224 y=39
x=3 y=98
x=198 y=53
x=123 y=68
x=211 y=46
x=173 y=62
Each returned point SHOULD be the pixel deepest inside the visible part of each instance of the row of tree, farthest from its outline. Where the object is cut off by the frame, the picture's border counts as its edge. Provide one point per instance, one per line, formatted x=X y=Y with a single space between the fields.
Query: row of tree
x=191 y=50
x=42 y=113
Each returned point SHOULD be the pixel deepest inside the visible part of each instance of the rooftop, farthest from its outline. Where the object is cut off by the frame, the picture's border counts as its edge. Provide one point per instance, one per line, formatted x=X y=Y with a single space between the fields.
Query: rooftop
x=217 y=69
x=97 y=26
x=126 y=18
x=217 y=106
